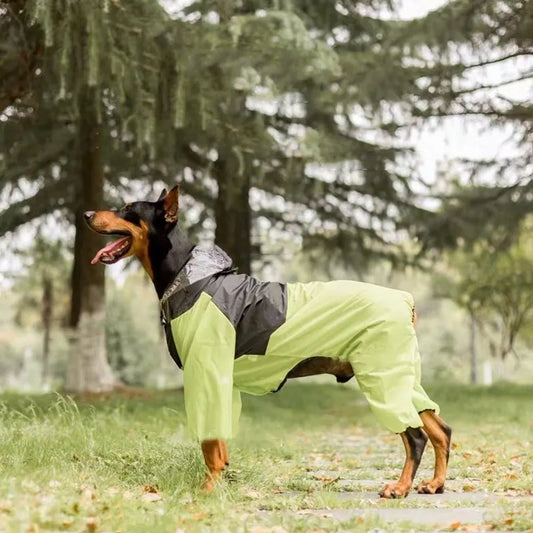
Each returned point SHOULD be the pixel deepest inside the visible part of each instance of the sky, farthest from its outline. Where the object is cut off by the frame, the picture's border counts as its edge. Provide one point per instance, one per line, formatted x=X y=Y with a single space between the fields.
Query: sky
x=436 y=143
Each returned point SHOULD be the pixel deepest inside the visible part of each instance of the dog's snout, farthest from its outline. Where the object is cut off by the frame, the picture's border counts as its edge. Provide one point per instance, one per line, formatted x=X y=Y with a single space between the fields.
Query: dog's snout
x=88 y=215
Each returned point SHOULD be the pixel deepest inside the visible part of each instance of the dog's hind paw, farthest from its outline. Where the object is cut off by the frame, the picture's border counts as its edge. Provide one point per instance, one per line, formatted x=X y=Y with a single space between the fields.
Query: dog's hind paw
x=395 y=491
x=430 y=486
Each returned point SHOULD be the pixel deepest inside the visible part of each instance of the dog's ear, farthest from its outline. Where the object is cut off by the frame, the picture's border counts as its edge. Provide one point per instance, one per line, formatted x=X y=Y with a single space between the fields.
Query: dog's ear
x=162 y=195
x=171 y=204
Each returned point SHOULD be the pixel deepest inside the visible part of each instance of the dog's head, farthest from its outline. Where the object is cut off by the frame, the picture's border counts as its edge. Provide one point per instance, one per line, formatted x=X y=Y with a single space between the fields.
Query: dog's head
x=138 y=224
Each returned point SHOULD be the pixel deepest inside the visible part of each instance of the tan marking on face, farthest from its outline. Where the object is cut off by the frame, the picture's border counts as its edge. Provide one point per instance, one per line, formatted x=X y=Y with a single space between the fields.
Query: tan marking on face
x=109 y=222
x=139 y=248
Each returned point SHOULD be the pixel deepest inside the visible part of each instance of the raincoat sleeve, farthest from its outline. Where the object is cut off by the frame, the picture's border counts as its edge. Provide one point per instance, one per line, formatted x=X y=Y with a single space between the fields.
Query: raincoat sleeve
x=206 y=344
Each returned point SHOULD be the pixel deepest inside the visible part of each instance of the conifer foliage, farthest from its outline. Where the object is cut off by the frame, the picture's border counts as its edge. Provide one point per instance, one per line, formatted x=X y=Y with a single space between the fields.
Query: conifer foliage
x=478 y=57
x=104 y=76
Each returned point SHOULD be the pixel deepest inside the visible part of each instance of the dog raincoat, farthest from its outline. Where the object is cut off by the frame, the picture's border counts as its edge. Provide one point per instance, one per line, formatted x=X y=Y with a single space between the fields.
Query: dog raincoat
x=232 y=333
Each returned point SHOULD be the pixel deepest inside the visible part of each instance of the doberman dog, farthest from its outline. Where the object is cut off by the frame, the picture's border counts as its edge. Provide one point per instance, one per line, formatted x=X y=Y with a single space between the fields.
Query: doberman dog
x=232 y=333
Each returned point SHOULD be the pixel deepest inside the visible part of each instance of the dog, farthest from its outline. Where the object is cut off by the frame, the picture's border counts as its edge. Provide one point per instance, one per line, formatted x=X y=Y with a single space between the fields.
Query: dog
x=231 y=333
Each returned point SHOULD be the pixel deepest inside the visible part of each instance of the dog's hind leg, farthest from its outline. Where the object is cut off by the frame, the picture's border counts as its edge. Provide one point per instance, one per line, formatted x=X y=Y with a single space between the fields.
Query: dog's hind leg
x=439 y=434
x=216 y=459
x=414 y=440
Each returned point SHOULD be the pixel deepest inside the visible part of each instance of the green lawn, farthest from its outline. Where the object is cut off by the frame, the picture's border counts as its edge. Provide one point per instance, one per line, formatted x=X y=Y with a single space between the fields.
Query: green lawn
x=125 y=465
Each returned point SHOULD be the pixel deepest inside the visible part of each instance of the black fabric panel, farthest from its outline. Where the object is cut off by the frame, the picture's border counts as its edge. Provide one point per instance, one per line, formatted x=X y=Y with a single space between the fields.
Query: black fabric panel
x=256 y=309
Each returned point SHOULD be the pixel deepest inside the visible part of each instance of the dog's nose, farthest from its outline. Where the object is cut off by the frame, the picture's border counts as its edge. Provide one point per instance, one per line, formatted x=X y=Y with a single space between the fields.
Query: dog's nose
x=88 y=215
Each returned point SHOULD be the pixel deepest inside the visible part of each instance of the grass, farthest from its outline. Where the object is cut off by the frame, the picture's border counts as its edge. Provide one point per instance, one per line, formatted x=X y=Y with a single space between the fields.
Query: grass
x=123 y=464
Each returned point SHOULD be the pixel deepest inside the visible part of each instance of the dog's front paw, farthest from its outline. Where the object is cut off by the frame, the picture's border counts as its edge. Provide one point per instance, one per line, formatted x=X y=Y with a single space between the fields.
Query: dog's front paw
x=211 y=480
x=395 y=490
x=209 y=484
x=430 y=486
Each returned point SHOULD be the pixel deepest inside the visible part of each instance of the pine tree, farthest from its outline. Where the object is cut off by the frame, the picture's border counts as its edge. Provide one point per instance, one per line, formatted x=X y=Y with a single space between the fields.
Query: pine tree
x=299 y=110
x=105 y=76
x=471 y=51
x=295 y=114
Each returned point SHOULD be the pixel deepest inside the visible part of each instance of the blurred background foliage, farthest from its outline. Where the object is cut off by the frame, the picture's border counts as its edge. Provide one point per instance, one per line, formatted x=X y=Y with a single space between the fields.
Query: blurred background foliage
x=287 y=125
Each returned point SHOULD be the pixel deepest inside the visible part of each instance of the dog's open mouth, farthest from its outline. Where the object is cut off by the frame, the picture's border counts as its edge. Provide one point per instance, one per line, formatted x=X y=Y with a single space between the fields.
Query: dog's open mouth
x=113 y=251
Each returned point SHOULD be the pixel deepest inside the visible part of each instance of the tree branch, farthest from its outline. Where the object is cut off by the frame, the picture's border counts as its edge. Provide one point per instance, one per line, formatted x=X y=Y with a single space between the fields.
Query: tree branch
x=522 y=52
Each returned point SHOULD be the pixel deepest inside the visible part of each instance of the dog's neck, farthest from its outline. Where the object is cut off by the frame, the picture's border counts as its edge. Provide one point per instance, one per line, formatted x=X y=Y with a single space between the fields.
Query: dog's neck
x=168 y=255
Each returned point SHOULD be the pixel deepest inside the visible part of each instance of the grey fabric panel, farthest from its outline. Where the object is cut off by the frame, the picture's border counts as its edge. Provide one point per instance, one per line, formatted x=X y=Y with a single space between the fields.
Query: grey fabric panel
x=183 y=299
x=256 y=309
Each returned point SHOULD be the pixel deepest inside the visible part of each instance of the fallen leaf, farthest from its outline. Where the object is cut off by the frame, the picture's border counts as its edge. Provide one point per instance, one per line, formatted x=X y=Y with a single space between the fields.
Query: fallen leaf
x=149 y=488
x=455 y=525
x=87 y=493
x=91 y=524
x=325 y=479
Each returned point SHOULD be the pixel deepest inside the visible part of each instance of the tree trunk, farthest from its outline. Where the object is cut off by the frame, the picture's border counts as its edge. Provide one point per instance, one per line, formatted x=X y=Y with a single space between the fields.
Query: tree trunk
x=47 y=325
x=88 y=369
x=233 y=215
x=473 y=351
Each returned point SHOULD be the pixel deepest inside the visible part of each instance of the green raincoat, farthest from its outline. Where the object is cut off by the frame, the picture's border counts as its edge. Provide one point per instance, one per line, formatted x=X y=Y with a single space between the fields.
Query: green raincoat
x=233 y=334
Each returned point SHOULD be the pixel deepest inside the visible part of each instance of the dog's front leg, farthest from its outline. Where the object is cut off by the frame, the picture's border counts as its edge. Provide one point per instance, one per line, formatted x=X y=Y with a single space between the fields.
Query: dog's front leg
x=216 y=459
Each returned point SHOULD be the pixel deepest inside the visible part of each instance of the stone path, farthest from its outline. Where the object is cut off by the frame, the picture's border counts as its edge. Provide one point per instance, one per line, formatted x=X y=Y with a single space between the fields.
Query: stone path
x=440 y=518
x=346 y=473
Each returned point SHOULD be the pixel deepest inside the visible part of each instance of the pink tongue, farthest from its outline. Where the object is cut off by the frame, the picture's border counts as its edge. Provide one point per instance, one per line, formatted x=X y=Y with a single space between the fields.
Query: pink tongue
x=109 y=249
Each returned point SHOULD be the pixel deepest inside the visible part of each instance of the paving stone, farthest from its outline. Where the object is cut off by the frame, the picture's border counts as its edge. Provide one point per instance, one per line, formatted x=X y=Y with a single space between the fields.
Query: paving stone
x=376 y=484
x=438 y=517
x=365 y=484
x=436 y=499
